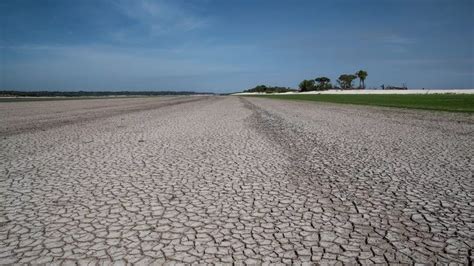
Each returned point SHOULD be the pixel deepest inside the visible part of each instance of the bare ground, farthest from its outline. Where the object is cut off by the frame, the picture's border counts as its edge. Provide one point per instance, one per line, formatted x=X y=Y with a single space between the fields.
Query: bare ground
x=229 y=179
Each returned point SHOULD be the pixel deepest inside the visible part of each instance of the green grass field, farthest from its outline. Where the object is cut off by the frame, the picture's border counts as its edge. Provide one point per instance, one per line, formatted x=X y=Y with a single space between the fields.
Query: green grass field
x=439 y=102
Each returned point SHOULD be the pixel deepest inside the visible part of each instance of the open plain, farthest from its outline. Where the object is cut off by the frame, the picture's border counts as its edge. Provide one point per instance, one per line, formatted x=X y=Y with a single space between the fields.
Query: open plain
x=233 y=179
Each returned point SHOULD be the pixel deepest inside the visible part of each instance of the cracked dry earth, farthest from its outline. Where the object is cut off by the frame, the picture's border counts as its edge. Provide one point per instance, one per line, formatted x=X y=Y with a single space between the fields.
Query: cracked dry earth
x=234 y=179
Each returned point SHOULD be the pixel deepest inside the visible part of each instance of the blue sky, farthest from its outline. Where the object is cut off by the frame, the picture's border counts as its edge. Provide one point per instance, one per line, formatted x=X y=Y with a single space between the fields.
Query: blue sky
x=228 y=45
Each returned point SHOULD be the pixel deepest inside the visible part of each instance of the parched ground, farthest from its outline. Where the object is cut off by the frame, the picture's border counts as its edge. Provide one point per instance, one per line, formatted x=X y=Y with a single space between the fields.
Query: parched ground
x=233 y=179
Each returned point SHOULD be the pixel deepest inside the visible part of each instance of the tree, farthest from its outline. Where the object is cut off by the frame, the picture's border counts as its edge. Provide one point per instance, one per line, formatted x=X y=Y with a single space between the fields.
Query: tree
x=323 y=83
x=306 y=85
x=268 y=89
x=345 y=80
x=261 y=88
x=362 y=75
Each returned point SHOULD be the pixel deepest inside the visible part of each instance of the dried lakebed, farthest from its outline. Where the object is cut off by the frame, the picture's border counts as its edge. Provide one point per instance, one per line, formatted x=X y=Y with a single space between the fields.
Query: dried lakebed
x=232 y=179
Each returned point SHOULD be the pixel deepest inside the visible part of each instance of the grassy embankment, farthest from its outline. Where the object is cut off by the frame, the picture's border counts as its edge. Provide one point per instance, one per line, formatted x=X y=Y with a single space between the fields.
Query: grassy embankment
x=439 y=102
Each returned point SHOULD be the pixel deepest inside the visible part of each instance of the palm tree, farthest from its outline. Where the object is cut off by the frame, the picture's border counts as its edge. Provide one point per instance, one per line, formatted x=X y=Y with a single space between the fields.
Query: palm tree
x=362 y=75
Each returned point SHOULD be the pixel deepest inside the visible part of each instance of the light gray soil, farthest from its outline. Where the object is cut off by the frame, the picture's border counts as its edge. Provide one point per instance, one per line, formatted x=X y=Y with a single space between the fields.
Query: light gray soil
x=233 y=179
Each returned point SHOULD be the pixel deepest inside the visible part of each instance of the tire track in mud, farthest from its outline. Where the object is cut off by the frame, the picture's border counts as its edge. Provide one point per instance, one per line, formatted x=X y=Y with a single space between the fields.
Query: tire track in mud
x=301 y=150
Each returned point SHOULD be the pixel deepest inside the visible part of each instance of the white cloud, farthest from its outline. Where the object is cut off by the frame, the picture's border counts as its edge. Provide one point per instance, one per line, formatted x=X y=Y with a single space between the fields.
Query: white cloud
x=160 y=17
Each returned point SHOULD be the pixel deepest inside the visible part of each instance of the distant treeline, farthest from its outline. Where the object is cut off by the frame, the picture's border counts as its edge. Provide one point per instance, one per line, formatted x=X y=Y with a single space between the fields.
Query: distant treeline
x=95 y=93
x=345 y=82
x=263 y=88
